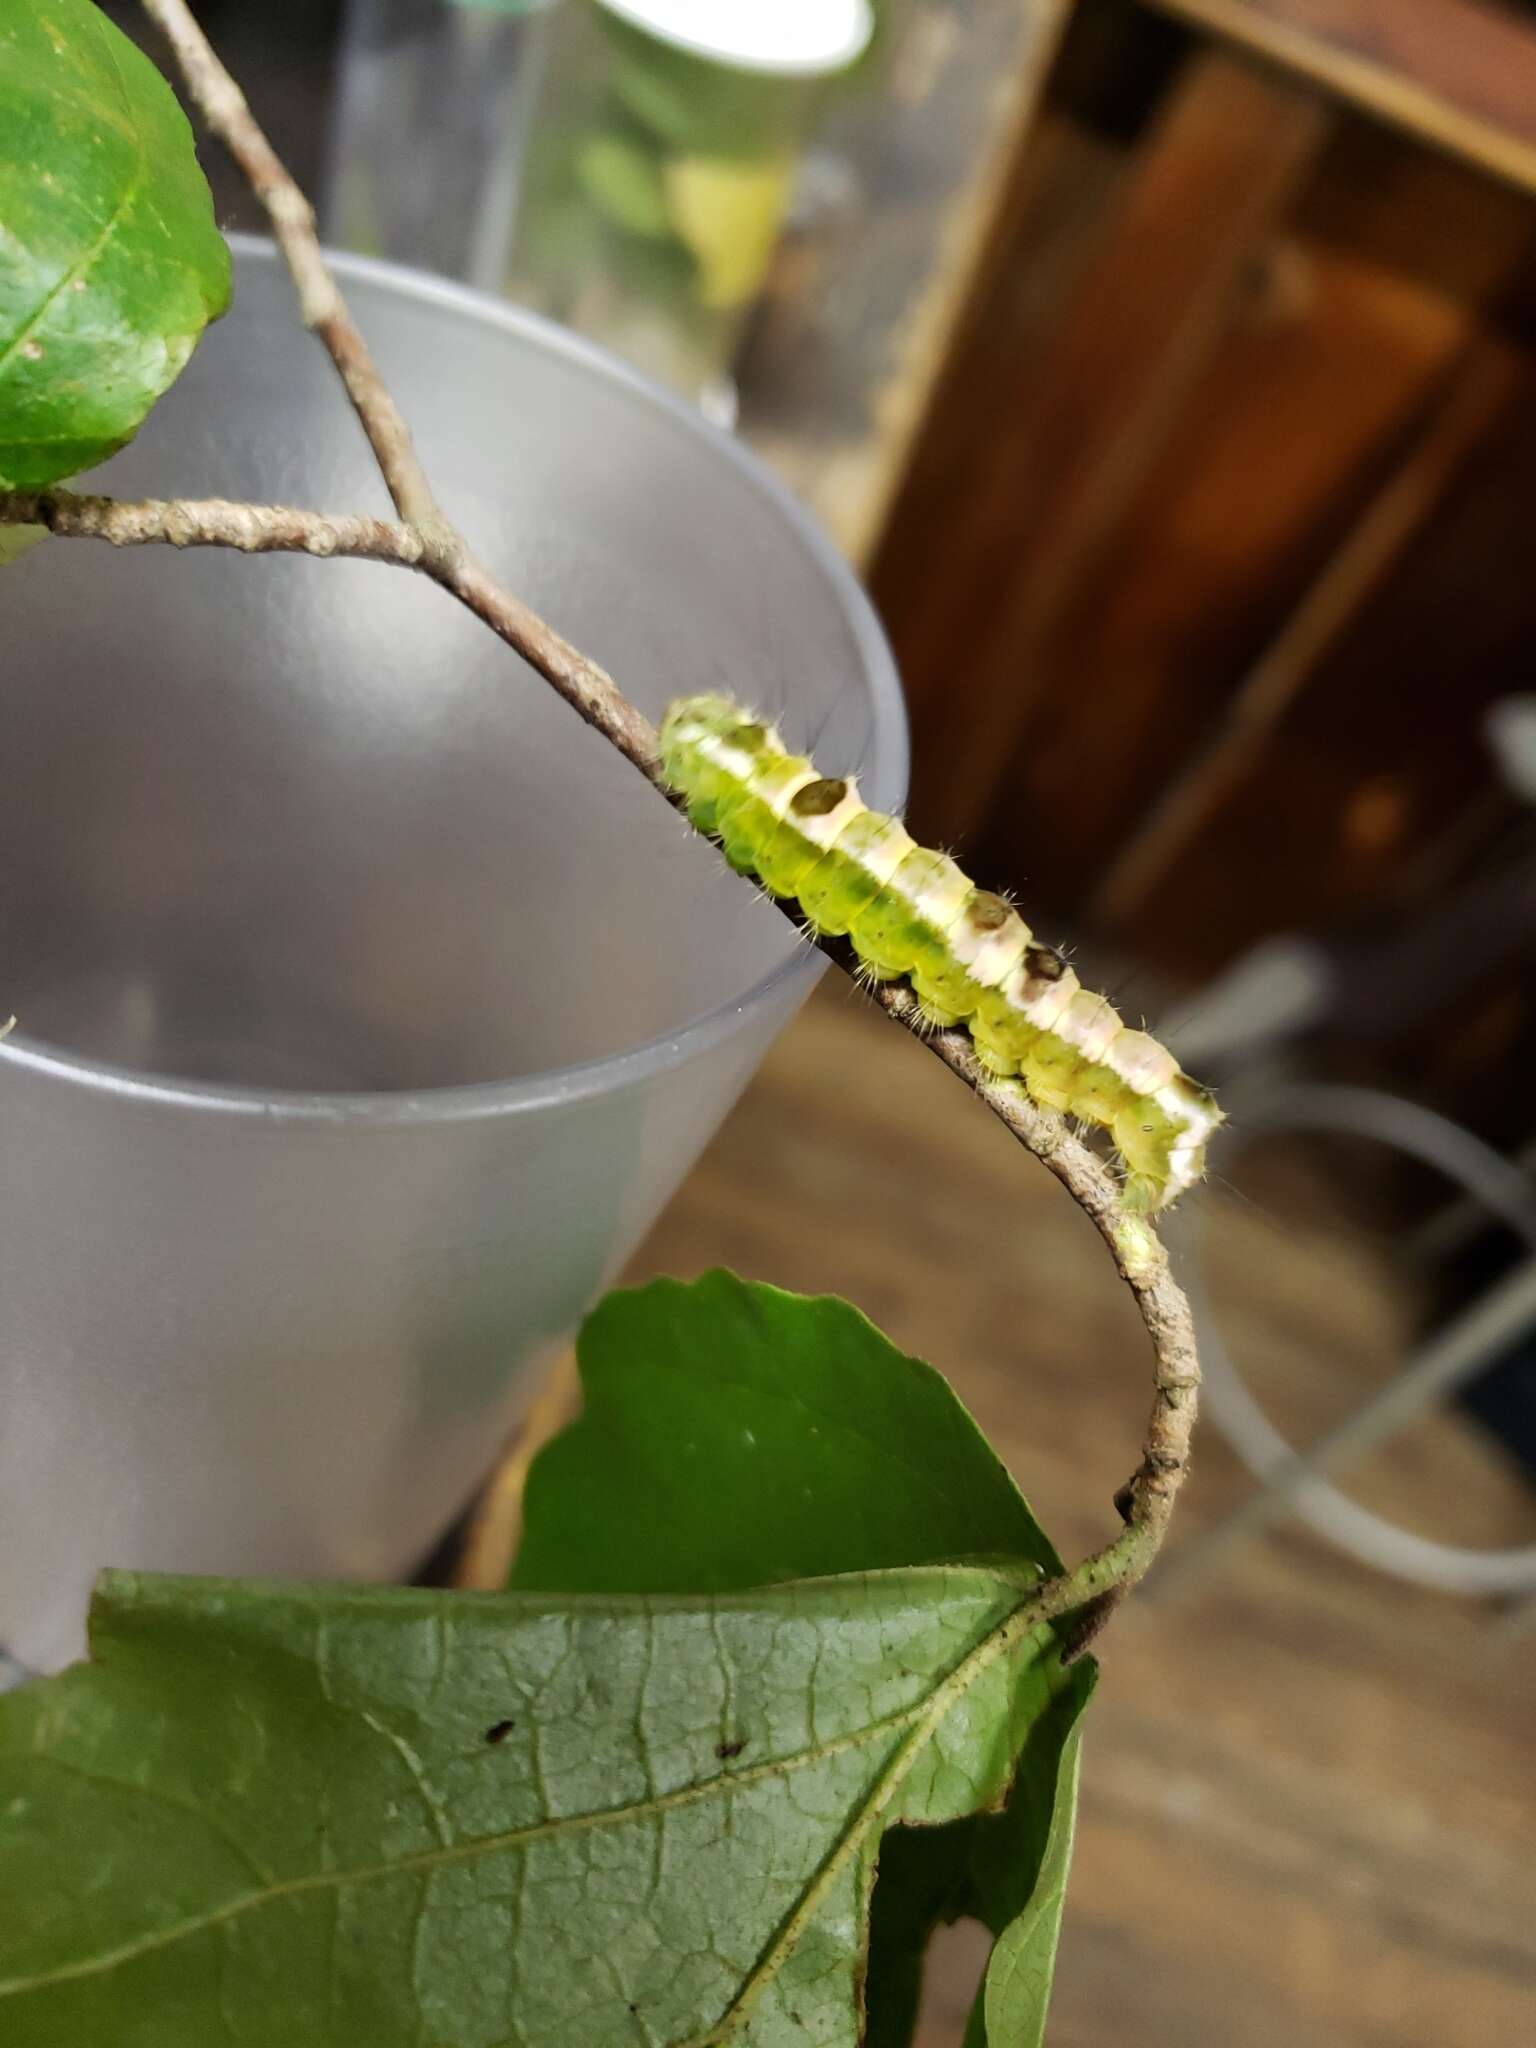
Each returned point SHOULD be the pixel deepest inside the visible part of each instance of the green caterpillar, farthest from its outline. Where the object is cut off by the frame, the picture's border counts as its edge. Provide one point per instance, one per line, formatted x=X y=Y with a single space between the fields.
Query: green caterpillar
x=968 y=955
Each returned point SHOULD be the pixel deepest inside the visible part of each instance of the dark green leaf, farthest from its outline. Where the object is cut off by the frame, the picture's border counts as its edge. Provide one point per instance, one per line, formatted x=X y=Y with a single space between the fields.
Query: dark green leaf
x=1007 y=1870
x=311 y=1817
x=734 y=1435
x=110 y=262
x=1020 y=1869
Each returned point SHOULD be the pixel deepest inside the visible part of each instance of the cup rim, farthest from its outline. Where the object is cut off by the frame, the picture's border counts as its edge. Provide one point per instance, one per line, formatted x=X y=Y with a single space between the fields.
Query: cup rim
x=822 y=58
x=456 y=1102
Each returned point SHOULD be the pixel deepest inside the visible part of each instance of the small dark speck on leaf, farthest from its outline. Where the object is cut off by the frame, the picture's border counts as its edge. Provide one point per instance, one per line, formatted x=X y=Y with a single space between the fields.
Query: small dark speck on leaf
x=726 y=1750
x=498 y=1731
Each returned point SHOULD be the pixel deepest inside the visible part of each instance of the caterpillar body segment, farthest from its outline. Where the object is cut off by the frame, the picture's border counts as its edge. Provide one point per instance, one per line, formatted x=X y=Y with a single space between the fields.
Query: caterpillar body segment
x=912 y=914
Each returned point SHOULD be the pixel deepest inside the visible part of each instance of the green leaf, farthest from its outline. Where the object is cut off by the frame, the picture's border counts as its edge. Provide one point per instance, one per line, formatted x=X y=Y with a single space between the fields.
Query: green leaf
x=1019 y=1870
x=322 y=1816
x=110 y=262
x=315 y=1816
x=733 y=1435
x=1007 y=1870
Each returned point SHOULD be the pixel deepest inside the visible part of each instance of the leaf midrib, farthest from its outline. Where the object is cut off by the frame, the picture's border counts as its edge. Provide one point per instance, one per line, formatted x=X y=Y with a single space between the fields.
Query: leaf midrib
x=998 y=1641
x=921 y=1718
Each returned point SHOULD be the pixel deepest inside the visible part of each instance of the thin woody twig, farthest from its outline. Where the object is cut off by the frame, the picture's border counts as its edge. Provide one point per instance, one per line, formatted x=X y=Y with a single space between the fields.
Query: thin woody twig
x=1146 y=1502
x=447 y=558
x=213 y=523
x=223 y=106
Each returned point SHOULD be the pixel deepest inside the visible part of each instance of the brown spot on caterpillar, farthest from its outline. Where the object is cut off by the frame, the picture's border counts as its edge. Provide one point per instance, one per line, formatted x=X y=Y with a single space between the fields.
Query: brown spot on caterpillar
x=1044 y=963
x=498 y=1731
x=750 y=738
x=986 y=912
x=726 y=1750
x=817 y=798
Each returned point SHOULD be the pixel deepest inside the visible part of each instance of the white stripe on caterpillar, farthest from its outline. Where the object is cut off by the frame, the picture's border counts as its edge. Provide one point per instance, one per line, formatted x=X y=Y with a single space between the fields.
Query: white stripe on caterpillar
x=912 y=914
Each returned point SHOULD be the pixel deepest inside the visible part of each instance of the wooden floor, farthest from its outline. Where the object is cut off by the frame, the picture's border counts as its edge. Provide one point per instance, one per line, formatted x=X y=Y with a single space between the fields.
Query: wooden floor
x=1309 y=1807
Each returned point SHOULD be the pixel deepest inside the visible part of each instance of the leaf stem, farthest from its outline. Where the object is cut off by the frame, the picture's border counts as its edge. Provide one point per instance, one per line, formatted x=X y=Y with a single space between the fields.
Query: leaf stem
x=430 y=543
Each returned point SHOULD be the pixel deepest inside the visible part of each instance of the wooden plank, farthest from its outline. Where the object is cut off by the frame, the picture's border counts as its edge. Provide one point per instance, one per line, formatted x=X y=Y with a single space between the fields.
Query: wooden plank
x=1376 y=786
x=1459 y=74
x=1056 y=464
x=1352 y=318
x=1479 y=389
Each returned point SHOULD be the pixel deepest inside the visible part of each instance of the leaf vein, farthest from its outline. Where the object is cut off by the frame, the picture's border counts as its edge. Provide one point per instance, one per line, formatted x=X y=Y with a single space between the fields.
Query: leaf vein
x=337 y=1881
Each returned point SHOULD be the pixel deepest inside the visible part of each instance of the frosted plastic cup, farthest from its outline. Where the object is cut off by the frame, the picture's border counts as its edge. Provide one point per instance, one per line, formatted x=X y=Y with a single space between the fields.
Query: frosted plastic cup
x=369 y=1007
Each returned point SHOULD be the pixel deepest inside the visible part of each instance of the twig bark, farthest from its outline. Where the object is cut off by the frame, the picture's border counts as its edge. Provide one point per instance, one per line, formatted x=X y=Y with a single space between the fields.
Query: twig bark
x=214 y=523
x=446 y=556
x=428 y=542
x=223 y=106
x=1146 y=1500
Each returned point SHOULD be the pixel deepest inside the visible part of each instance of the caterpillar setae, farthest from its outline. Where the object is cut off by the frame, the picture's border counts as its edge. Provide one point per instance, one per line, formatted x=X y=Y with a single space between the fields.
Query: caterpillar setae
x=911 y=914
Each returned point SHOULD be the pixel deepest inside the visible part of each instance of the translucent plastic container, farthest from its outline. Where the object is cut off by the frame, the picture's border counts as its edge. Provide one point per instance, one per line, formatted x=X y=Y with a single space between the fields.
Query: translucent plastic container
x=432 y=107
x=662 y=165
x=370 y=1006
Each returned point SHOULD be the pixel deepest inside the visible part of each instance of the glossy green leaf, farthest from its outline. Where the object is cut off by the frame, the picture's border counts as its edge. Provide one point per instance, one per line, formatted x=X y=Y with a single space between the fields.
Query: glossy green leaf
x=110 y=262
x=320 y=1816
x=733 y=1434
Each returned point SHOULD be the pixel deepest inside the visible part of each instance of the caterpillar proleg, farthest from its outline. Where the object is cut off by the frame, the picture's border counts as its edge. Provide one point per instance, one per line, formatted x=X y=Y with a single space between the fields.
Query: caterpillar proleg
x=970 y=958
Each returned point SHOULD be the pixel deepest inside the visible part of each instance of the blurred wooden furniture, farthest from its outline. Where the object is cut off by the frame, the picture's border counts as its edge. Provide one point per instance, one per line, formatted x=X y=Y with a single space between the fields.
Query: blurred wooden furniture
x=1210 y=555
x=1456 y=73
x=1275 y=312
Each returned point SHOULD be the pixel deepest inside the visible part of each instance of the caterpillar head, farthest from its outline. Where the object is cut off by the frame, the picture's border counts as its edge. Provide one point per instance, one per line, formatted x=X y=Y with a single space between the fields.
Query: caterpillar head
x=690 y=721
